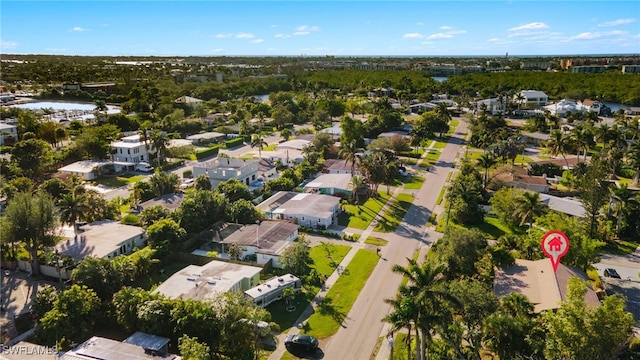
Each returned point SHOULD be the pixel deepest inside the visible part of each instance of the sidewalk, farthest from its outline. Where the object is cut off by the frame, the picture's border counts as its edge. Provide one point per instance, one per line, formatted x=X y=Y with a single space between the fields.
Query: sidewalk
x=295 y=329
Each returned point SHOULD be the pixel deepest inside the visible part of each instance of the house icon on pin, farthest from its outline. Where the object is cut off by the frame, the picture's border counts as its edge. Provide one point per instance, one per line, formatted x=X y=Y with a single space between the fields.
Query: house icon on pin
x=555 y=244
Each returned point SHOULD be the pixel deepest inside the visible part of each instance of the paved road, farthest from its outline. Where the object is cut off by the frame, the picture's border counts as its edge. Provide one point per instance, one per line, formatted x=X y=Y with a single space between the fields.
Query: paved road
x=363 y=326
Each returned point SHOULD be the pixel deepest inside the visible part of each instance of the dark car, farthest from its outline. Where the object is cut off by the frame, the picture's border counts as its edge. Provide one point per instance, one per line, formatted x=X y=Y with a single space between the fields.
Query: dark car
x=301 y=343
x=612 y=273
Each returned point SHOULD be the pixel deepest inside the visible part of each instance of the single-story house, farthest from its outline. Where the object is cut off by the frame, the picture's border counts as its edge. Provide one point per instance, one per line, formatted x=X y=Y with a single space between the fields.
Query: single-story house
x=266 y=240
x=188 y=100
x=267 y=169
x=295 y=144
x=335 y=130
x=331 y=184
x=103 y=239
x=168 y=201
x=207 y=137
x=272 y=289
x=135 y=347
x=286 y=156
x=572 y=161
x=394 y=133
x=204 y=282
x=339 y=166
x=518 y=178
x=545 y=288
x=85 y=169
x=565 y=205
x=419 y=108
x=535 y=138
x=310 y=210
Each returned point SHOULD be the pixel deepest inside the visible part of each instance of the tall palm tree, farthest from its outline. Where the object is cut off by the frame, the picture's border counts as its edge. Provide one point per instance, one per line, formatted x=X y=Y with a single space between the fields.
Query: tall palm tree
x=403 y=316
x=583 y=137
x=619 y=202
x=633 y=157
x=358 y=183
x=486 y=161
x=528 y=207
x=348 y=152
x=160 y=142
x=73 y=208
x=258 y=141
x=425 y=286
x=559 y=143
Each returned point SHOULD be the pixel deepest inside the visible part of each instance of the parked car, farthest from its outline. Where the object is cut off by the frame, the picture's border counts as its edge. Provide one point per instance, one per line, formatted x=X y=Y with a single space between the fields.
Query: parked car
x=144 y=167
x=612 y=273
x=186 y=183
x=300 y=342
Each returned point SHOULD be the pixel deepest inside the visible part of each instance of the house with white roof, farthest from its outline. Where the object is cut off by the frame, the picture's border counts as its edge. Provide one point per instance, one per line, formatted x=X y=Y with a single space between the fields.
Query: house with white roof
x=222 y=169
x=272 y=289
x=84 y=169
x=331 y=184
x=493 y=106
x=310 y=210
x=131 y=150
x=207 y=281
x=532 y=97
x=565 y=205
x=188 y=100
x=207 y=137
x=295 y=144
x=103 y=239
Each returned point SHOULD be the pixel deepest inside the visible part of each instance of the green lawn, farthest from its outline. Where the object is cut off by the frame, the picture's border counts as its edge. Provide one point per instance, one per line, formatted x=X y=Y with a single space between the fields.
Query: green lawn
x=441 y=195
x=491 y=226
x=247 y=156
x=454 y=123
x=408 y=161
x=526 y=159
x=474 y=155
x=376 y=241
x=321 y=260
x=270 y=147
x=415 y=182
x=431 y=158
x=360 y=218
x=119 y=181
x=440 y=145
x=157 y=277
x=394 y=214
x=335 y=306
x=620 y=247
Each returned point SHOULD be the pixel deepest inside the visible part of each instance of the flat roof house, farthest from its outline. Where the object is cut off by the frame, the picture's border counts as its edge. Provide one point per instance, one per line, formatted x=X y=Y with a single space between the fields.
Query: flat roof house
x=223 y=169
x=310 y=210
x=494 y=106
x=8 y=130
x=295 y=144
x=205 y=282
x=102 y=348
x=532 y=97
x=131 y=150
x=84 y=169
x=206 y=137
x=331 y=184
x=338 y=166
x=103 y=239
x=545 y=288
x=271 y=290
x=267 y=241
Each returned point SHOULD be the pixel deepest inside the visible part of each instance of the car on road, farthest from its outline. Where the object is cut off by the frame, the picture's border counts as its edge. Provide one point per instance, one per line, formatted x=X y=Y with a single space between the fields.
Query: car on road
x=301 y=342
x=144 y=167
x=611 y=273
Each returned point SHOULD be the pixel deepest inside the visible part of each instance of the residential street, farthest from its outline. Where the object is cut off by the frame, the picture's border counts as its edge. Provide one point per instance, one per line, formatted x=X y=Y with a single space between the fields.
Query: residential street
x=363 y=326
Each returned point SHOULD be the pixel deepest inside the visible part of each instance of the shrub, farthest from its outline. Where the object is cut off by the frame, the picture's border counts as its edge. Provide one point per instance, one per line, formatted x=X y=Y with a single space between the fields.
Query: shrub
x=131 y=219
x=234 y=142
x=207 y=152
x=187 y=173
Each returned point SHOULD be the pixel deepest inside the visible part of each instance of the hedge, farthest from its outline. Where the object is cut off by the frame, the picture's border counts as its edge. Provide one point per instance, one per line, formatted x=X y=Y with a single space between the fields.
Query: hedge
x=208 y=152
x=234 y=142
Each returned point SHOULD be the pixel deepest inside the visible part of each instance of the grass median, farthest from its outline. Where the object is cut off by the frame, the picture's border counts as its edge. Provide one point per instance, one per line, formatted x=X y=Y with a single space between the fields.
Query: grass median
x=395 y=213
x=337 y=303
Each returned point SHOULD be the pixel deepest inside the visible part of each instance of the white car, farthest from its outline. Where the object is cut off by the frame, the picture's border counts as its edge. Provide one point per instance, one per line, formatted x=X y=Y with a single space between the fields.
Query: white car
x=186 y=183
x=144 y=167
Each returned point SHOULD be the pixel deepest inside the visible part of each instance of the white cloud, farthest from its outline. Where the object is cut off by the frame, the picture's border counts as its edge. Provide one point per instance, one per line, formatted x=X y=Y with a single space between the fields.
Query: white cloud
x=223 y=36
x=217 y=50
x=245 y=36
x=420 y=23
x=440 y=36
x=597 y=35
x=8 y=45
x=445 y=27
x=413 y=36
x=305 y=30
x=257 y=41
x=618 y=22
x=281 y=36
x=448 y=34
x=530 y=26
x=494 y=40
x=78 y=29
x=298 y=33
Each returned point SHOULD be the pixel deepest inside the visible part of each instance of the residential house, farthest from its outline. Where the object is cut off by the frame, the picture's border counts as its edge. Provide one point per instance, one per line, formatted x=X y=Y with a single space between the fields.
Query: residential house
x=222 y=169
x=272 y=289
x=631 y=69
x=339 y=166
x=288 y=157
x=188 y=100
x=137 y=346
x=207 y=281
x=518 y=178
x=544 y=287
x=295 y=144
x=310 y=210
x=565 y=205
x=331 y=184
x=593 y=105
x=493 y=106
x=567 y=164
x=535 y=138
x=103 y=239
x=84 y=169
x=535 y=97
x=131 y=150
x=207 y=137
x=168 y=201
x=266 y=240
x=8 y=133
x=267 y=169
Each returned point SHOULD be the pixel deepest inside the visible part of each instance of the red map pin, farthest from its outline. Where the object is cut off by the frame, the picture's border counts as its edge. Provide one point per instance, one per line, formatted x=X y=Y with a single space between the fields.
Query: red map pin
x=555 y=245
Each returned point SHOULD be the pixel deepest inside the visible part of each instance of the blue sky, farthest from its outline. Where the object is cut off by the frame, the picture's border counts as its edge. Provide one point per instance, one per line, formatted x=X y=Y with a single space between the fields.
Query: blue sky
x=413 y=28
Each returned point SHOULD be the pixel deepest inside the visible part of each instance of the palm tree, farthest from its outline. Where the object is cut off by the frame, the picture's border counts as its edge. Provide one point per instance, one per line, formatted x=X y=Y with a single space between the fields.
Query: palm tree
x=619 y=202
x=258 y=141
x=633 y=156
x=358 y=183
x=583 y=138
x=442 y=112
x=528 y=207
x=160 y=142
x=403 y=316
x=348 y=152
x=73 y=208
x=425 y=286
x=486 y=161
x=558 y=143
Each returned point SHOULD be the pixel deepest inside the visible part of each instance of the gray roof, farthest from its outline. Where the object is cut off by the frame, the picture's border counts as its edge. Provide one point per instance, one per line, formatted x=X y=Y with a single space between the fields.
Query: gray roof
x=569 y=206
x=169 y=201
x=271 y=234
x=103 y=348
x=205 y=136
x=147 y=341
x=336 y=181
x=271 y=284
x=99 y=239
x=292 y=203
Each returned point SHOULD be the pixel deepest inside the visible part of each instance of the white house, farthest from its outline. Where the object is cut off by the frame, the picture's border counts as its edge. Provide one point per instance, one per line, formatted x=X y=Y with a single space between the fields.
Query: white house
x=266 y=240
x=103 y=239
x=331 y=184
x=131 y=150
x=272 y=289
x=223 y=169
x=295 y=144
x=532 y=97
x=204 y=282
x=339 y=166
x=493 y=106
x=84 y=169
x=310 y=210
x=8 y=130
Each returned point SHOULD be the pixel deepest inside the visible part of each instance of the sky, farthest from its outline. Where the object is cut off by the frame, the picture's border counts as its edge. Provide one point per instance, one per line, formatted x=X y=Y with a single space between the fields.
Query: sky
x=318 y=28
